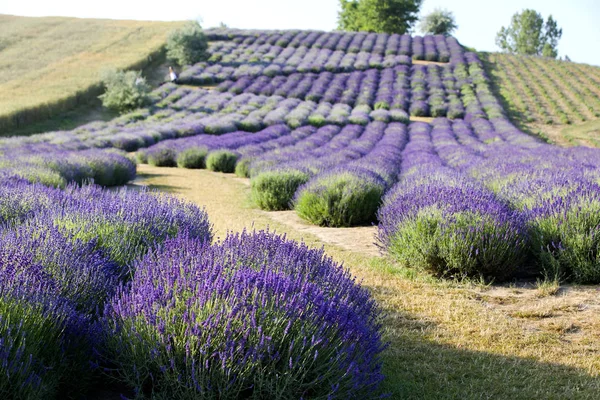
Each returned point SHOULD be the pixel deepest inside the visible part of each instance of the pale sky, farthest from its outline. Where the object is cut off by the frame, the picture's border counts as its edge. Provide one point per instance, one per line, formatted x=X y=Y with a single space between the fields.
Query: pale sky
x=478 y=20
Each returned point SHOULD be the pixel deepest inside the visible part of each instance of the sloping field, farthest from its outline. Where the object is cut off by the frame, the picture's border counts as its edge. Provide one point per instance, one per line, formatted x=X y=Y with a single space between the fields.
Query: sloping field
x=549 y=96
x=50 y=64
x=322 y=125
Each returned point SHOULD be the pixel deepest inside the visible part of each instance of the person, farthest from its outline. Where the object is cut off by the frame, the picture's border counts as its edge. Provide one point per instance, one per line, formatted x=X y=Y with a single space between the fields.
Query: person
x=172 y=74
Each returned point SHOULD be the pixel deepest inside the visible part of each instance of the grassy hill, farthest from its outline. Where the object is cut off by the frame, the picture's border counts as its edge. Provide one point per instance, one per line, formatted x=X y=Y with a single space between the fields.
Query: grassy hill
x=48 y=65
x=556 y=99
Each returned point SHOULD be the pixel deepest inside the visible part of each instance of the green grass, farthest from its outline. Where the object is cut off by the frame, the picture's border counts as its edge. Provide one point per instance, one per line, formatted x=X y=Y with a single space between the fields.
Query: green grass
x=547 y=97
x=587 y=131
x=50 y=65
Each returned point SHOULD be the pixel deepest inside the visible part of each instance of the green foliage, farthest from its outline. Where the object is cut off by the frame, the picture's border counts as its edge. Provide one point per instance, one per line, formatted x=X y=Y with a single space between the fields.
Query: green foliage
x=382 y=16
x=221 y=161
x=187 y=45
x=528 y=34
x=120 y=241
x=339 y=200
x=242 y=168
x=163 y=158
x=438 y=22
x=26 y=326
x=193 y=158
x=567 y=244
x=274 y=190
x=468 y=245
x=124 y=90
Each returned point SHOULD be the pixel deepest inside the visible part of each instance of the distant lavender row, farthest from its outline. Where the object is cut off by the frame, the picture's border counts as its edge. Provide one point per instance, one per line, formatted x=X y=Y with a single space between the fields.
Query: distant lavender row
x=231 y=44
x=314 y=61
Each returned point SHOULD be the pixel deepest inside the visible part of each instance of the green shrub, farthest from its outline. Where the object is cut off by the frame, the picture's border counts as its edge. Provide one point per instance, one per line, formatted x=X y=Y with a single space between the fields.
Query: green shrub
x=141 y=157
x=193 y=158
x=274 y=190
x=466 y=244
x=187 y=45
x=162 y=158
x=340 y=199
x=125 y=90
x=317 y=120
x=221 y=161
x=242 y=168
x=567 y=241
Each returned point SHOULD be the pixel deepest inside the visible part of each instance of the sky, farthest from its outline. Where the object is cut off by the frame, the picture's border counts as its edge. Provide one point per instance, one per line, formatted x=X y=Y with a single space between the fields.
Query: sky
x=478 y=20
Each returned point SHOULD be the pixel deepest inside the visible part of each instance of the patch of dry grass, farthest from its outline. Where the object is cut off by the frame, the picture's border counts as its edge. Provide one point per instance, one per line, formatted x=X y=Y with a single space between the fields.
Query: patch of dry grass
x=51 y=64
x=448 y=340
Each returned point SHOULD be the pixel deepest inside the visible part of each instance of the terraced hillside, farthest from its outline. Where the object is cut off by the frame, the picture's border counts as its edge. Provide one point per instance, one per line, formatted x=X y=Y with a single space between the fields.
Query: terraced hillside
x=344 y=129
x=51 y=64
x=557 y=98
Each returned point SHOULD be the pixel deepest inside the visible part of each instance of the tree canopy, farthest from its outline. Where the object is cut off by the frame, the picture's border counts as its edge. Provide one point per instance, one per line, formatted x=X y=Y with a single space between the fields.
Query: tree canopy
x=381 y=16
x=529 y=34
x=438 y=22
x=187 y=45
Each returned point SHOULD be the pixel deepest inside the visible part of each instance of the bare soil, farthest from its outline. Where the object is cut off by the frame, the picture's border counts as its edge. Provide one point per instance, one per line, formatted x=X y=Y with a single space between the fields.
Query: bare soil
x=422 y=119
x=214 y=191
x=423 y=62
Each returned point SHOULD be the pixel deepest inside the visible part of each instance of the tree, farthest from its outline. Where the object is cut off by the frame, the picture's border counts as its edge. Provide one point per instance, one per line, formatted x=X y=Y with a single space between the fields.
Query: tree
x=528 y=34
x=187 y=45
x=381 y=16
x=124 y=90
x=438 y=22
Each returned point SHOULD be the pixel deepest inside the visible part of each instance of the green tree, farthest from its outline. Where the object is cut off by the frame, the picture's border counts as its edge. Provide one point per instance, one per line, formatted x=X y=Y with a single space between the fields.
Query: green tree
x=528 y=34
x=124 y=90
x=187 y=45
x=438 y=22
x=381 y=16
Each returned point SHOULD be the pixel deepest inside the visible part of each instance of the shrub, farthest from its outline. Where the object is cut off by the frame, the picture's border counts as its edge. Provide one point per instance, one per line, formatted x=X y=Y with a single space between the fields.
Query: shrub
x=242 y=167
x=127 y=223
x=340 y=198
x=460 y=231
x=44 y=340
x=565 y=233
x=221 y=161
x=187 y=45
x=124 y=90
x=193 y=158
x=255 y=307
x=82 y=274
x=399 y=115
x=274 y=190
x=162 y=157
x=317 y=120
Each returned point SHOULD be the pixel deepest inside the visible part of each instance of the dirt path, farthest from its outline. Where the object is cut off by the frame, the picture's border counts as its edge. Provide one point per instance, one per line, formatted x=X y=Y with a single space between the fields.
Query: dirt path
x=423 y=62
x=224 y=194
x=422 y=119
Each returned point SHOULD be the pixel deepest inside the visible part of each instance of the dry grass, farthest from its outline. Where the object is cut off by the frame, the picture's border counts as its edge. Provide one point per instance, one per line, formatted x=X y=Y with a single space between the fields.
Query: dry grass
x=557 y=100
x=448 y=340
x=47 y=63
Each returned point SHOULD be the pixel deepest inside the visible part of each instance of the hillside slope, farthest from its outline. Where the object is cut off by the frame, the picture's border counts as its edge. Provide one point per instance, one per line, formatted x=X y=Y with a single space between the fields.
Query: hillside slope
x=51 y=64
x=558 y=99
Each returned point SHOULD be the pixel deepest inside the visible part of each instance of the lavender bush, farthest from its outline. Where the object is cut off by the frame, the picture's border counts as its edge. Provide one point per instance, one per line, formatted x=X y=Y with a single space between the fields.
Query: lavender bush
x=256 y=316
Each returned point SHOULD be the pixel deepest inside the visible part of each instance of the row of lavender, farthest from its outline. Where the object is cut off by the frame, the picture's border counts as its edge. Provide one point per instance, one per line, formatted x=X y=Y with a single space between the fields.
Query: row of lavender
x=482 y=199
x=98 y=287
x=490 y=203
x=182 y=112
x=256 y=46
x=421 y=90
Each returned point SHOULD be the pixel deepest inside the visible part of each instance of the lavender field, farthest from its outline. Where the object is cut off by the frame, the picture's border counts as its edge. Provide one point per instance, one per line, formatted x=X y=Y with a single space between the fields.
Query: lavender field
x=347 y=129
